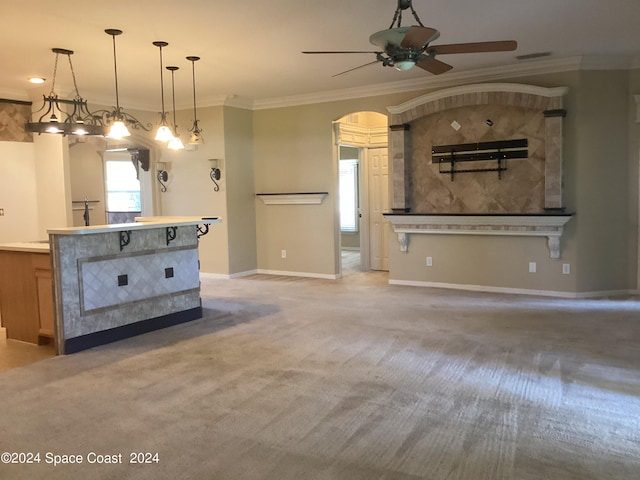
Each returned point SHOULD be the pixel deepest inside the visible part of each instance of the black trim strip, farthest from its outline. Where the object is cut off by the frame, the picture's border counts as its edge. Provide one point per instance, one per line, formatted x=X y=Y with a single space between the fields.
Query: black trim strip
x=84 y=342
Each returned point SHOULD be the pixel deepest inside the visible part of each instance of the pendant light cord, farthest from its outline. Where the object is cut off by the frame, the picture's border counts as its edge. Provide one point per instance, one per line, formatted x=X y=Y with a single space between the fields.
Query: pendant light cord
x=173 y=94
x=163 y=114
x=193 y=76
x=115 y=70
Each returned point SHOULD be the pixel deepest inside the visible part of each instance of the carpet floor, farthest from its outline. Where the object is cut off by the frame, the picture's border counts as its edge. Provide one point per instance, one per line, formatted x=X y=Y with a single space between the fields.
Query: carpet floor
x=291 y=378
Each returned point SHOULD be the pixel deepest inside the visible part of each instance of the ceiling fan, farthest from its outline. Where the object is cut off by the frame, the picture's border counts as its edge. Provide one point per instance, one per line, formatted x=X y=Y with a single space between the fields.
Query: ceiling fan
x=407 y=47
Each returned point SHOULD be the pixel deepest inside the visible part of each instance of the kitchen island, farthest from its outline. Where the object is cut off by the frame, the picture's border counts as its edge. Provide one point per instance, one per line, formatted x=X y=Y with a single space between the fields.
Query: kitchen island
x=111 y=282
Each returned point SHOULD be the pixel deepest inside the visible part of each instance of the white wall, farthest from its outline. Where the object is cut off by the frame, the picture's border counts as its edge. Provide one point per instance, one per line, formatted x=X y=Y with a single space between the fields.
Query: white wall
x=18 y=192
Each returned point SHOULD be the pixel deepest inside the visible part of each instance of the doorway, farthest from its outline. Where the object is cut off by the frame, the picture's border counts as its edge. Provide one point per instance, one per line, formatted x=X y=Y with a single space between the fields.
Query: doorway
x=361 y=140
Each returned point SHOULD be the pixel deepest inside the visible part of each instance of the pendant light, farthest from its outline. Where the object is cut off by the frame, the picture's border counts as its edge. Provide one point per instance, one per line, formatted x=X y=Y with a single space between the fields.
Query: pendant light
x=196 y=133
x=164 y=132
x=118 y=119
x=175 y=143
x=118 y=128
x=75 y=117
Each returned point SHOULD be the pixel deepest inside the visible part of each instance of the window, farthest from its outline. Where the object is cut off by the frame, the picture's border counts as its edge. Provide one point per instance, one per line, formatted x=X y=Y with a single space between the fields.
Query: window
x=123 y=187
x=348 y=185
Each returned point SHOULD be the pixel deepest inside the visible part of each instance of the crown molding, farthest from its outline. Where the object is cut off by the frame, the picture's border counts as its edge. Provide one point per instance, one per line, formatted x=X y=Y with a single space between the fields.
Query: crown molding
x=595 y=62
x=539 y=67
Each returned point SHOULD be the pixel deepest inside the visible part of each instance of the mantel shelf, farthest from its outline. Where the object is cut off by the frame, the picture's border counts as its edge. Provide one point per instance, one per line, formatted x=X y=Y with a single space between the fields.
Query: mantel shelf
x=541 y=225
x=296 y=198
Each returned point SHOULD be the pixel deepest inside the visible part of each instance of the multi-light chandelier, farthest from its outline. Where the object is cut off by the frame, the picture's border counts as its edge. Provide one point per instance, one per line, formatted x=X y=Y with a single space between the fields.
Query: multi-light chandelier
x=72 y=117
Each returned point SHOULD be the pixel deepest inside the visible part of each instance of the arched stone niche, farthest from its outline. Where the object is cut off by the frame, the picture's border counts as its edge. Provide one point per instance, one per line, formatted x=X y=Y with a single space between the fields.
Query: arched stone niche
x=547 y=103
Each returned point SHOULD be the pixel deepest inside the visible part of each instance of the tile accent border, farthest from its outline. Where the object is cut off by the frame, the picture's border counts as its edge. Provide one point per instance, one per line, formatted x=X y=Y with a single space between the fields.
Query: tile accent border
x=548 y=100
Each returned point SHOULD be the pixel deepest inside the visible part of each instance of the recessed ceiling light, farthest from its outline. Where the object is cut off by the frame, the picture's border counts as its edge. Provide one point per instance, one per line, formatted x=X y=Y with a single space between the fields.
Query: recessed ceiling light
x=37 y=80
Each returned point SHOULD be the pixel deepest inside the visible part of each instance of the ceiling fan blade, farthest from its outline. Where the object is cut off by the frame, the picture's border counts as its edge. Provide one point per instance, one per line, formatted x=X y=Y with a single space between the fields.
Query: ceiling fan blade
x=478 y=47
x=355 y=68
x=434 y=66
x=332 y=52
x=418 y=37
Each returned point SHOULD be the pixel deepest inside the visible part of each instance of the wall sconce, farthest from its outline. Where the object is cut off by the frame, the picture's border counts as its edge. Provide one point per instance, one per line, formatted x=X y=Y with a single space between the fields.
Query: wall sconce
x=162 y=175
x=215 y=173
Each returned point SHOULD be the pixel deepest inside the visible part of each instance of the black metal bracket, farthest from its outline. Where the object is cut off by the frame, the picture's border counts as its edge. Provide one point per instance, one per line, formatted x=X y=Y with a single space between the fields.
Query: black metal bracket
x=125 y=238
x=171 y=234
x=203 y=230
x=163 y=176
x=215 y=174
x=483 y=151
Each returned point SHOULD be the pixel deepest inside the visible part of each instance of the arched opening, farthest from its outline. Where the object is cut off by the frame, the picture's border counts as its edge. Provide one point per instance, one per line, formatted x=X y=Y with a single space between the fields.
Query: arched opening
x=361 y=155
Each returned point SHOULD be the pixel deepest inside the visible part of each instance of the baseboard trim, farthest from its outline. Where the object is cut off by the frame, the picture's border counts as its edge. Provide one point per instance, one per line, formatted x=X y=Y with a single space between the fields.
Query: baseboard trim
x=509 y=290
x=247 y=273
x=325 y=276
x=84 y=342
x=224 y=276
x=214 y=276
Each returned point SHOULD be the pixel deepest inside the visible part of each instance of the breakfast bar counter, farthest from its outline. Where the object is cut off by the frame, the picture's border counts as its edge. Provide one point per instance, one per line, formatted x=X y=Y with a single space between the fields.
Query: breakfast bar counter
x=110 y=282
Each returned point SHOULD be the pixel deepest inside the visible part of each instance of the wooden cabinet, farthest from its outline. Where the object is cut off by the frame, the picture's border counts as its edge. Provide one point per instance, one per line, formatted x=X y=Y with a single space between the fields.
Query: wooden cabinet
x=26 y=296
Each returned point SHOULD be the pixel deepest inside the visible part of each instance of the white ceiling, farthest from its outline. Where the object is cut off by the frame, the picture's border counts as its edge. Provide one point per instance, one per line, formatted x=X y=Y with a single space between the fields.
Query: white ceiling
x=251 y=49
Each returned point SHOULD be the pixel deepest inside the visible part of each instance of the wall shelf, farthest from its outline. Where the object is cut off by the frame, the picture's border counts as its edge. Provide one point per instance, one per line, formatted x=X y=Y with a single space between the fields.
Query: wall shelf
x=524 y=225
x=296 y=198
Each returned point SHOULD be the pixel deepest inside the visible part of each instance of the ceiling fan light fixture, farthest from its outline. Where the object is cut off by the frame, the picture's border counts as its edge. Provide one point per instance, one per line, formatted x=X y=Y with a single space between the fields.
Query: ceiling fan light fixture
x=404 y=65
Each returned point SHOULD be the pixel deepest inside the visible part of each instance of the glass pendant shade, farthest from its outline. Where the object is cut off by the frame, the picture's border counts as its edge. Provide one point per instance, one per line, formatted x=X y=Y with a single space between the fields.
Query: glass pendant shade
x=196 y=139
x=163 y=134
x=175 y=144
x=118 y=130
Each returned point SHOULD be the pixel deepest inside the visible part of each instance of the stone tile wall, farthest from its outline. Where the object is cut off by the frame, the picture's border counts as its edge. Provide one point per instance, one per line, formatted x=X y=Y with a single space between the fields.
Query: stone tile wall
x=530 y=185
x=13 y=117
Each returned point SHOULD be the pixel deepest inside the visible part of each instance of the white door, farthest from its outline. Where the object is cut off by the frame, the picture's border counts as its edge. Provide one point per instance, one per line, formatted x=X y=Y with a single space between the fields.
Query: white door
x=378 y=173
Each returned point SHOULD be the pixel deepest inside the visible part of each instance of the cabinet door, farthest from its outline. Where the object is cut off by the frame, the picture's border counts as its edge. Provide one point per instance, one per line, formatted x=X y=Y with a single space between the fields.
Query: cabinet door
x=45 y=302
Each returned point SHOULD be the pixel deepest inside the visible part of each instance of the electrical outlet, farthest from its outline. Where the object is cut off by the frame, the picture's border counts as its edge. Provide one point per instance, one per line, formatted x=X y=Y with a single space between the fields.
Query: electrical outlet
x=429 y=262
x=566 y=269
x=532 y=267
x=283 y=254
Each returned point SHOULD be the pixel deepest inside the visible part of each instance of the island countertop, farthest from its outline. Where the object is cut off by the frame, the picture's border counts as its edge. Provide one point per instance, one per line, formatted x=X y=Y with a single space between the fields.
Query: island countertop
x=141 y=223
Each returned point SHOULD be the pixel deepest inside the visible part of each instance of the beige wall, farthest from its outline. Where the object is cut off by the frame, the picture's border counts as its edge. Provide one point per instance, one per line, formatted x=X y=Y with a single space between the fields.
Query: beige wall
x=53 y=182
x=292 y=150
x=241 y=199
x=602 y=172
x=190 y=190
x=18 y=192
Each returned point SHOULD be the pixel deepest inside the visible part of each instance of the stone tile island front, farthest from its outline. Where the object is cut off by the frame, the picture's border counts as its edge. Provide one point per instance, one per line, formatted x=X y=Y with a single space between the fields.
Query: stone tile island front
x=111 y=282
